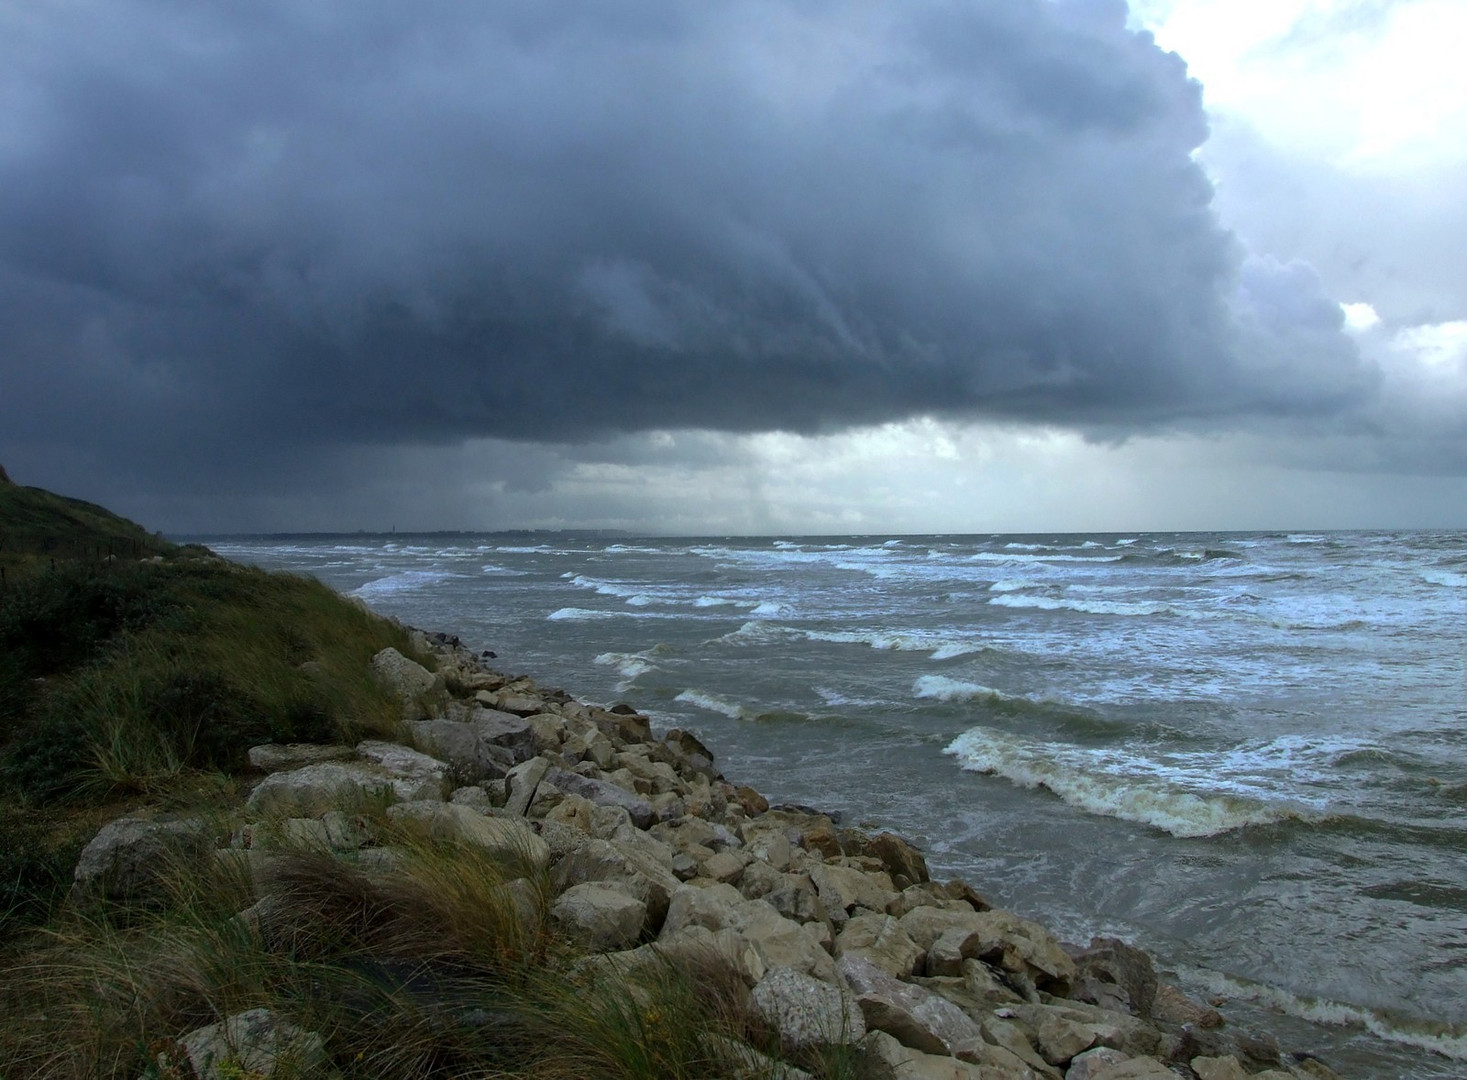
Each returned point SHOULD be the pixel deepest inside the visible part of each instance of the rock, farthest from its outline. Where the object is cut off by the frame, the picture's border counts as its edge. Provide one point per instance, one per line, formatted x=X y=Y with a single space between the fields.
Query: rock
x=881 y=940
x=947 y=953
x=1144 y=1068
x=893 y=1059
x=917 y=1017
x=1015 y=1040
x=1219 y=1068
x=903 y=862
x=602 y=917
x=406 y=765
x=714 y=907
x=1120 y=1031
x=282 y=757
x=474 y=797
x=133 y=859
x=344 y=832
x=1116 y=976
x=602 y=793
x=547 y=733
x=622 y=728
x=608 y=862
x=794 y=896
x=725 y=866
x=773 y=848
x=590 y=746
x=314 y=789
x=253 y=1044
x=1171 y=1006
x=521 y=704
x=1015 y=944
x=522 y=782
x=781 y=942
x=842 y=888
x=486 y=745
x=509 y=839
x=805 y=1011
x=1059 y=1038
x=1092 y=1063
x=419 y=689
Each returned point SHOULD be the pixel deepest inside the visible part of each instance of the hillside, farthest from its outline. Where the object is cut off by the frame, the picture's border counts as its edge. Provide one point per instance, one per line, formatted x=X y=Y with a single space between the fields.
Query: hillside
x=38 y=525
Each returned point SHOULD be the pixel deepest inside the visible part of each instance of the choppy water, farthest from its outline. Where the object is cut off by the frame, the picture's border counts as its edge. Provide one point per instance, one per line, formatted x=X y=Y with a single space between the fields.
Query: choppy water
x=1246 y=752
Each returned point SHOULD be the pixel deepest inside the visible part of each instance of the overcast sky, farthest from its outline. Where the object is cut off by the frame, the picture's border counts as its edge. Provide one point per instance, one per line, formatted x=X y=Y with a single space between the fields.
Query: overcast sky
x=759 y=266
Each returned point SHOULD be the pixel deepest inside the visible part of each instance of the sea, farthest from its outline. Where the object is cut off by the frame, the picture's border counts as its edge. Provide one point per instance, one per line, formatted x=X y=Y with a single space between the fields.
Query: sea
x=1245 y=752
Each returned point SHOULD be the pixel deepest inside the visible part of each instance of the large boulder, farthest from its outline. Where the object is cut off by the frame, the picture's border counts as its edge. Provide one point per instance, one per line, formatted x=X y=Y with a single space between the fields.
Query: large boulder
x=507 y=839
x=484 y=747
x=1015 y=944
x=601 y=917
x=903 y=862
x=313 y=789
x=133 y=859
x=282 y=757
x=601 y=792
x=610 y=863
x=842 y=888
x=255 y=1043
x=806 y=1012
x=1116 y=976
x=421 y=691
x=881 y=940
x=916 y=1017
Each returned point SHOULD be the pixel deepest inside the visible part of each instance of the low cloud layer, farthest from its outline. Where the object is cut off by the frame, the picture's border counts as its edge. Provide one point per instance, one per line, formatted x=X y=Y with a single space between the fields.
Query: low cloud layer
x=233 y=238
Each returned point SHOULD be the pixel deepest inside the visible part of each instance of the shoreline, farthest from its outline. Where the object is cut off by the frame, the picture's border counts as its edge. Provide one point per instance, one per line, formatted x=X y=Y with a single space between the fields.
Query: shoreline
x=1104 y=973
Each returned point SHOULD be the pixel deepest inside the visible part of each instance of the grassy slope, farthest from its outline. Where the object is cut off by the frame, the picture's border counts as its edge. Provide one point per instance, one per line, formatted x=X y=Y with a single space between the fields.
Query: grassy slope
x=37 y=525
x=131 y=683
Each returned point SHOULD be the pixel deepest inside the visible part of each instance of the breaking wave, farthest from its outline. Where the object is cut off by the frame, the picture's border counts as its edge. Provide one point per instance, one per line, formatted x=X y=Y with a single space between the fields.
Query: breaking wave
x=1185 y=794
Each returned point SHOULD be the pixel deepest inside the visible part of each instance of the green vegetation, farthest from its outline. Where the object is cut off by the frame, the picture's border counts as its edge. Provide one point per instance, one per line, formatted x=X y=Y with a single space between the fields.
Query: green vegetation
x=38 y=527
x=136 y=685
x=128 y=682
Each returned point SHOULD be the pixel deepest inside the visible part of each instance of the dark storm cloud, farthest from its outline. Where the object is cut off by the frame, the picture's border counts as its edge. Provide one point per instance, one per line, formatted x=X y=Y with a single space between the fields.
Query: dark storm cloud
x=239 y=232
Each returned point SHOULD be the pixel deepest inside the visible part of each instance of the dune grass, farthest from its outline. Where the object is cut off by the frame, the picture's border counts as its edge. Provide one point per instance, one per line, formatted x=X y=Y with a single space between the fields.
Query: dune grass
x=446 y=964
x=145 y=683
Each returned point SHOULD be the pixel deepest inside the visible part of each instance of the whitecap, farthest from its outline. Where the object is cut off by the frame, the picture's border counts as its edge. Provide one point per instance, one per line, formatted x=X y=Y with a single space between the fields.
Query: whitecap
x=405 y=581
x=713 y=703
x=1187 y=795
x=1089 y=607
x=942 y=688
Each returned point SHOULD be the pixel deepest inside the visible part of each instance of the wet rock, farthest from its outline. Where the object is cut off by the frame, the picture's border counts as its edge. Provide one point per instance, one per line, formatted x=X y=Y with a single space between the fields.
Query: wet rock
x=1116 y=976
x=902 y=861
x=1171 y=1006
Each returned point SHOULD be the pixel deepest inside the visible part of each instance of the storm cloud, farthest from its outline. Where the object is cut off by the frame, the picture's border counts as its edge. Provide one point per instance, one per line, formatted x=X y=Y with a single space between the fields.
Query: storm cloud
x=258 y=231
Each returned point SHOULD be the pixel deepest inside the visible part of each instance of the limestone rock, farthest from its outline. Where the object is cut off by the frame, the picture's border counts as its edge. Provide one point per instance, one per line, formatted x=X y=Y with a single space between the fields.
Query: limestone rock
x=602 y=917
x=253 y=1043
x=281 y=757
x=881 y=940
x=1092 y=1063
x=504 y=838
x=1121 y=1031
x=780 y=942
x=725 y=866
x=1171 y=1006
x=419 y=689
x=133 y=858
x=1143 y=1068
x=314 y=789
x=805 y=1011
x=903 y=862
x=413 y=775
x=522 y=783
x=1116 y=976
x=842 y=888
x=602 y=793
x=915 y=1016
x=904 y=1062
x=610 y=863
x=486 y=745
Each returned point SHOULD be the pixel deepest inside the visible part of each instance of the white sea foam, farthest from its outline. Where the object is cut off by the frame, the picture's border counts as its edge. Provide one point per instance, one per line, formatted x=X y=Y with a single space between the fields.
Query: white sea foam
x=1187 y=795
x=1090 y=607
x=1445 y=578
x=772 y=607
x=942 y=688
x=940 y=646
x=722 y=601
x=575 y=614
x=713 y=703
x=1441 y=1039
x=1013 y=585
x=406 y=581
